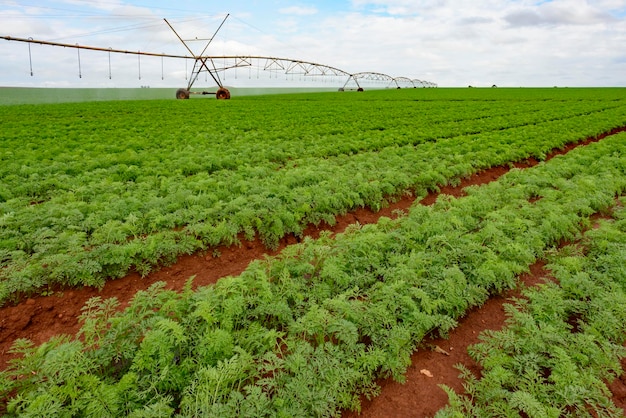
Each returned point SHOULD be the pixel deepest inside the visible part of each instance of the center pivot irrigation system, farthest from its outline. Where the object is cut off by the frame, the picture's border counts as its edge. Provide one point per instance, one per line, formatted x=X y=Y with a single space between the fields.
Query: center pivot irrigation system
x=214 y=65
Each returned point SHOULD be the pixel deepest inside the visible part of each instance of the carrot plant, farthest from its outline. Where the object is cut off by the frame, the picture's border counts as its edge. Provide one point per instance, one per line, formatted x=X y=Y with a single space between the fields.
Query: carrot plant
x=562 y=343
x=308 y=332
x=91 y=191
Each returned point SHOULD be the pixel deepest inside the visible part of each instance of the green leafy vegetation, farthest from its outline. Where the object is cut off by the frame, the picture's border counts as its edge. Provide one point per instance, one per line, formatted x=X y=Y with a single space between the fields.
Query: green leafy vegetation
x=308 y=332
x=562 y=343
x=91 y=191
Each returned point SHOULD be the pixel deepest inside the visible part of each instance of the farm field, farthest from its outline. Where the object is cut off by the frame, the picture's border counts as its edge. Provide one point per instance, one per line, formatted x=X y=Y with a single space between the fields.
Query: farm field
x=562 y=341
x=93 y=191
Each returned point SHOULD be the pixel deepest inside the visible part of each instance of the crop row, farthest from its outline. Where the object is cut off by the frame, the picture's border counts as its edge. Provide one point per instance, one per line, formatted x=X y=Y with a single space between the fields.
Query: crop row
x=562 y=343
x=83 y=139
x=95 y=200
x=307 y=332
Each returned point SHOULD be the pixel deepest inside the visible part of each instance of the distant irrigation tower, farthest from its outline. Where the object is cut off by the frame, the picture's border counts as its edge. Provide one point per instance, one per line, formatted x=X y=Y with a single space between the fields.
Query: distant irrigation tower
x=216 y=67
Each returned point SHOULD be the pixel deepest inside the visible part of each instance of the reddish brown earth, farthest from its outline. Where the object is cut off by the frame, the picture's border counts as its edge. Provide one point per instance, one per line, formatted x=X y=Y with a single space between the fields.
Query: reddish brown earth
x=421 y=396
x=42 y=317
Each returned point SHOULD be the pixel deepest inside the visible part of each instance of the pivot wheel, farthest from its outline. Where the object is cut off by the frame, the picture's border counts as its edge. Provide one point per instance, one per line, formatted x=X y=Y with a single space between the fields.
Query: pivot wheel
x=182 y=94
x=222 y=94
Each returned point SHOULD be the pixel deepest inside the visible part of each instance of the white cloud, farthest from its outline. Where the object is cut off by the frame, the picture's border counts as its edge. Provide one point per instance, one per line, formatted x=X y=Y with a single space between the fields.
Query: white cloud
x=449 y=42
x=558 y=13
x=460 y=43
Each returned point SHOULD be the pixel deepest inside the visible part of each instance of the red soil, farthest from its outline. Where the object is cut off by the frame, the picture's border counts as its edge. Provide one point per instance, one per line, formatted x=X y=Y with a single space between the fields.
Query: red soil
x=42 y=317
x=421 y=396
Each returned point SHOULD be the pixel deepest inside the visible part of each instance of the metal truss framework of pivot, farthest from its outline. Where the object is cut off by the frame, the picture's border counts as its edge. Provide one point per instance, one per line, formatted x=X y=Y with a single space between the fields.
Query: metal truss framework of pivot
x=214 y=65
x=201 y=63
x=398 y=82
x=285 y=66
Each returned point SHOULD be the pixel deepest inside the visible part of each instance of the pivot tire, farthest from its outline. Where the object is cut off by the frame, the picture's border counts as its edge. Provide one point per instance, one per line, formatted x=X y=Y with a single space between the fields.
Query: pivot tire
x=222 y=94
x=182 y=94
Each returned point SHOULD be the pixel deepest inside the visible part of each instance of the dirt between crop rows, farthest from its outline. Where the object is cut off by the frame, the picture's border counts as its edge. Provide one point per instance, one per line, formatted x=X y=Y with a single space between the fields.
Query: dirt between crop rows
x=42 y=317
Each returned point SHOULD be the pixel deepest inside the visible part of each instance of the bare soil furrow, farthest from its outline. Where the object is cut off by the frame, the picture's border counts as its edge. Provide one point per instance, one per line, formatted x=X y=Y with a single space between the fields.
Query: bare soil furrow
x=433 y=364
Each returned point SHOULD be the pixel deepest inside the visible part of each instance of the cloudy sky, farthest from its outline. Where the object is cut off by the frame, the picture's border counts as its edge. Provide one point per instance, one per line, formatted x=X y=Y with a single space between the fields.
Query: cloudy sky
x=449 y=42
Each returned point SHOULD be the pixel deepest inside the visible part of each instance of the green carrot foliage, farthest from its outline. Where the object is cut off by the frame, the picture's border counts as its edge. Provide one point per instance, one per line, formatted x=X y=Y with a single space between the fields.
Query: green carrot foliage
x=309 y=331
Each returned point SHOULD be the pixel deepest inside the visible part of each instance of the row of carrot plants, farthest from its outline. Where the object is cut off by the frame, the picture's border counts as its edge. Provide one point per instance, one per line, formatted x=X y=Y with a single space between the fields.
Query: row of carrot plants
x=563 y=342
x=306 y=333
x=89 y=197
